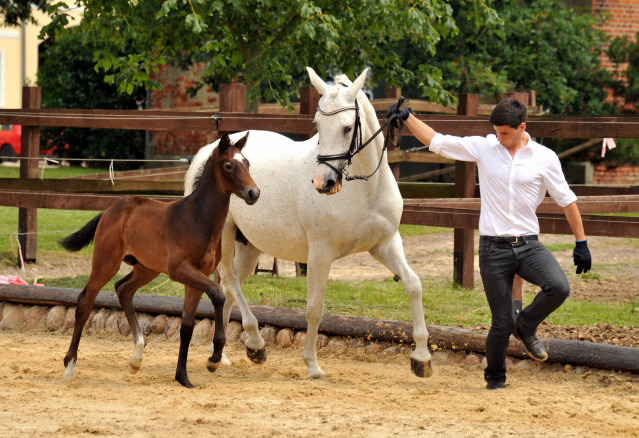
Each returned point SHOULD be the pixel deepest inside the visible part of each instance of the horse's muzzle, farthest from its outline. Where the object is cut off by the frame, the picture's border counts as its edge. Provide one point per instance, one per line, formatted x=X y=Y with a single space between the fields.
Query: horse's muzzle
x=251 y=194
x=327 y=181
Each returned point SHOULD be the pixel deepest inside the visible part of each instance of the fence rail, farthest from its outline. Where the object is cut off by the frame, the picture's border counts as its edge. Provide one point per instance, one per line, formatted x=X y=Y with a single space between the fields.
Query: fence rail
x=460 y=211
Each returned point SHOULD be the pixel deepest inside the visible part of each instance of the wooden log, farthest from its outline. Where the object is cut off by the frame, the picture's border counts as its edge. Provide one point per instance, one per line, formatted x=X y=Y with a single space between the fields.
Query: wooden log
x=559 y=350
x=173 y=188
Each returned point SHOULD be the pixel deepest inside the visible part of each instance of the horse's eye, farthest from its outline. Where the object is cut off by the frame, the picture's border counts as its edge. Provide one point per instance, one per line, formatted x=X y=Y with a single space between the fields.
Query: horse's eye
x=348 y=129
x=228 y=166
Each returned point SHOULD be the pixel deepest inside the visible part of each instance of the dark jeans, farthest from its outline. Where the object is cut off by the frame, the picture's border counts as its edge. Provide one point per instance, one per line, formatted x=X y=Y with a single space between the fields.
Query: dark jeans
x=498 y=264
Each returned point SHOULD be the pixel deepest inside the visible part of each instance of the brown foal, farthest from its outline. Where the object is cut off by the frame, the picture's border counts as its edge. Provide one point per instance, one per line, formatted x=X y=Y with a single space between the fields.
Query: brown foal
x=180 y=238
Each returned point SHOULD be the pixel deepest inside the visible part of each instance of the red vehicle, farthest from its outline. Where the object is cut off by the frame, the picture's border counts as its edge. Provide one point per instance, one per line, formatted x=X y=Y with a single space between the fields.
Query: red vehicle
x=10 y=136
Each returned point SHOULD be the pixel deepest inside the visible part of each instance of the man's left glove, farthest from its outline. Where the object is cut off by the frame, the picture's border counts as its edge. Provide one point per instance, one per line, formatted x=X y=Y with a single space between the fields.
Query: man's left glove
x=581 y=256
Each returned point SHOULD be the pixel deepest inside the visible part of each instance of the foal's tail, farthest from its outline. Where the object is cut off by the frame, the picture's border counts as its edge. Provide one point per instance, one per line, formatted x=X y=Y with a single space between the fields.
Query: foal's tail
x=82 y=237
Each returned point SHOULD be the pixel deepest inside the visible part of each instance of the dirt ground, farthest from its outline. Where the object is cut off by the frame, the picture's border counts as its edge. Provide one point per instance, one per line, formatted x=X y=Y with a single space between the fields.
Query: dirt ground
x=364 y=395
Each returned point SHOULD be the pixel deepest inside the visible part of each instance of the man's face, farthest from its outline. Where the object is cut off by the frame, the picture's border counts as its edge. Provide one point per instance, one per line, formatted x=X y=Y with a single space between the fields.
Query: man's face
x=508 y=136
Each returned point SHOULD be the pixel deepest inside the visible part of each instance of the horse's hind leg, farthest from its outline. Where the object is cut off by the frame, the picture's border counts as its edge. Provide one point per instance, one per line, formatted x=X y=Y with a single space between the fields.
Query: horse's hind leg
x=125 y=289
x=391 y=254
x=86 y=301
x=237 y=264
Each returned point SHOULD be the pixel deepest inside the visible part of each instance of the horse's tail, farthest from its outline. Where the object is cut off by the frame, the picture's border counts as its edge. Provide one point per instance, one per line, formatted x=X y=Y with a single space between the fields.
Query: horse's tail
x=82 y=237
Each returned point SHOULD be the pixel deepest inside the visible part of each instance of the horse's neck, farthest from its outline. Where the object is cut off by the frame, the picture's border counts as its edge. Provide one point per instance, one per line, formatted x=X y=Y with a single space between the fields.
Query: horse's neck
x=365 y=162
x=208 y=198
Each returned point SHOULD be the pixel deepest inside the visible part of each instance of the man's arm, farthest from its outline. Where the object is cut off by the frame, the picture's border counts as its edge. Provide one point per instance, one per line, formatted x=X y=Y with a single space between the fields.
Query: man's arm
x=420 y=130
x=581 y=253
x=574 y=220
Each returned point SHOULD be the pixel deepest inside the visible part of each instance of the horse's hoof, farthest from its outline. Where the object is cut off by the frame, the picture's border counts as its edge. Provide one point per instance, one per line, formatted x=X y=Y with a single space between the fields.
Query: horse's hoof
x=212 y=366
x=420 y=369
x=256 y=356
x=317 y=376
x=133 y=368
x=69 y=372
x=185 y=382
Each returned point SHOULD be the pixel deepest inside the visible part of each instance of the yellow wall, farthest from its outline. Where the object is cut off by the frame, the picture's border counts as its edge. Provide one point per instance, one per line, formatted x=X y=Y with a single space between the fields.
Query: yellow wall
x=13 y=59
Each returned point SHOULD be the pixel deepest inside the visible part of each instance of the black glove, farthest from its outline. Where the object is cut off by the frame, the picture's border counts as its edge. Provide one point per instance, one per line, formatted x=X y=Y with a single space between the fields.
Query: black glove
x=402 y=115
x=581 y=256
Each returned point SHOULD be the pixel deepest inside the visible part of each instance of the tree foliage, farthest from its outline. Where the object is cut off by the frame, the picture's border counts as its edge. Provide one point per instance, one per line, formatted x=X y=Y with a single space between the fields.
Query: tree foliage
x=16 y=12
x=541 y=45
x=69 y=80
x=268 y=43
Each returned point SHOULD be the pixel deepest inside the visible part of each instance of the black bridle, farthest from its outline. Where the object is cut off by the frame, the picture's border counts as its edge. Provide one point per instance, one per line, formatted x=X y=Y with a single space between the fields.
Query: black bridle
x=356 y=142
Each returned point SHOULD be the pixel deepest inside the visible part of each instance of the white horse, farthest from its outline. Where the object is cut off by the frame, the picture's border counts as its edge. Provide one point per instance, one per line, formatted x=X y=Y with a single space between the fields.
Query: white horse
x=293 y=222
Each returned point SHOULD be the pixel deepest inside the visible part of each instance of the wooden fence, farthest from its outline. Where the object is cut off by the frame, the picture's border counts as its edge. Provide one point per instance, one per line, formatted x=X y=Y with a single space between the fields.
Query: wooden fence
x=446 y=205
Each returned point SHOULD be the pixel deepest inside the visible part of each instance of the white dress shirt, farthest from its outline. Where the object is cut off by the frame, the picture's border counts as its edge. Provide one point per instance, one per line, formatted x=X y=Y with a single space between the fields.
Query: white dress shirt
x=511 y=189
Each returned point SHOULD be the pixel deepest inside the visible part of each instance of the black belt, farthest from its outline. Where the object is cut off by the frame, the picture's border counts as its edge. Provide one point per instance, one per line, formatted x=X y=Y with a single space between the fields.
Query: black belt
x=513 y=240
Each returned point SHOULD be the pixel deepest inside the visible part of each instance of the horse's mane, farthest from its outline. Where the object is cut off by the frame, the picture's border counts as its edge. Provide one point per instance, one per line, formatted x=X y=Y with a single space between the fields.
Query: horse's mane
x=200 y=172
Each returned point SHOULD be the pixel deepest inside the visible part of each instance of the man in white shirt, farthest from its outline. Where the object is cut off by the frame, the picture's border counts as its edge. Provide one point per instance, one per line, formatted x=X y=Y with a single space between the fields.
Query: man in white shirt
x=515 y=173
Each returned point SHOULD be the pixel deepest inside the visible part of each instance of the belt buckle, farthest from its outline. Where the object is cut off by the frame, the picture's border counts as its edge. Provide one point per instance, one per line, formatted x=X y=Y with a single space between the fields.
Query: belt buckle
x=516 y=240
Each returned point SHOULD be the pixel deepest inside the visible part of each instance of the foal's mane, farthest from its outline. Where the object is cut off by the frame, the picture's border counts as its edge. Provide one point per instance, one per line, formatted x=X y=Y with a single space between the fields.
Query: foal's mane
x=200 y=172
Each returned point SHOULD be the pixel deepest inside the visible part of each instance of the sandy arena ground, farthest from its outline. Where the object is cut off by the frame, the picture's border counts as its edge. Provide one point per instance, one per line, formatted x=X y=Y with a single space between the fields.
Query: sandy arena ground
x=364 y=395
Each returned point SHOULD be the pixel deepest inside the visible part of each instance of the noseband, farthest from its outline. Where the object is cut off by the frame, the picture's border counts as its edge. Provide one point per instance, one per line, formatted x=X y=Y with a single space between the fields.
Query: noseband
x=356 y=142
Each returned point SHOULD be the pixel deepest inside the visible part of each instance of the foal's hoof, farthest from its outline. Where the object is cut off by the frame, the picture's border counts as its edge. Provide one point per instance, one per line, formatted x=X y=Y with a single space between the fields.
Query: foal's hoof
x=256 y=356
x=212 y=366
x=421 y=368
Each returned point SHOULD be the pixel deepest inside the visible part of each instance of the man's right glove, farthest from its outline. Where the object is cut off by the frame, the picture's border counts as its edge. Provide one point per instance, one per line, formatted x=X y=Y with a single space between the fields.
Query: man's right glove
x=402 y=115
x=581 y=256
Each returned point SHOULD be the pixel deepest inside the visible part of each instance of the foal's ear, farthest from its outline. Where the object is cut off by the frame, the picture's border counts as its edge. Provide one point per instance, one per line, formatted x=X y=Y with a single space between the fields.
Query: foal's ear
x=225 y=143
x=241 y=142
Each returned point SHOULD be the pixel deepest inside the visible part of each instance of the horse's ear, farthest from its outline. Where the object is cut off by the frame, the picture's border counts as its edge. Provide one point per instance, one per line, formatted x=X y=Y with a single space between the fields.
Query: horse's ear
x=317 y=82
x=358 y=84
x=224 y=143
x=241 y=142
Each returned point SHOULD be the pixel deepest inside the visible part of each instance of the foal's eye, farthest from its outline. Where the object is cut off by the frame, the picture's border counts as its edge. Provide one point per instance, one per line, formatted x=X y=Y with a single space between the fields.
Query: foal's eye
x=228 y=166
x=348 y=129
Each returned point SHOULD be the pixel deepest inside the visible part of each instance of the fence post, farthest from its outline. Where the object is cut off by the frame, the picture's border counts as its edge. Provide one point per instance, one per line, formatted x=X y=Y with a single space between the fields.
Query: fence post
x=28 y=217
x=464 y=238
x=394 y=93
x=232 y=99
x=309 y=99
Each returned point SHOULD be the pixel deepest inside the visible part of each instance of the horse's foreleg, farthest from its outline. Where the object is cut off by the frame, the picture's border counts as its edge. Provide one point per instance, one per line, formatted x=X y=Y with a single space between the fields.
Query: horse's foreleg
x=219 y=337
x=318 y=269
x=392 y=255
x=125 y=289
x=191 y=299
x=237 y=264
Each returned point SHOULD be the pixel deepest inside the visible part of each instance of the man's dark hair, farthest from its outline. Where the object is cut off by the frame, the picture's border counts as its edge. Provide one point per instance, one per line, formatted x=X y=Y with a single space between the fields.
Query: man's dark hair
x=509 y=111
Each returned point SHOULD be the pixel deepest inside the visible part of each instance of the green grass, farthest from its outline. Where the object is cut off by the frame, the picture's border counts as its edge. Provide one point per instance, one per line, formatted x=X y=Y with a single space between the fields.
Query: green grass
x=51 y=172
x=444 y=304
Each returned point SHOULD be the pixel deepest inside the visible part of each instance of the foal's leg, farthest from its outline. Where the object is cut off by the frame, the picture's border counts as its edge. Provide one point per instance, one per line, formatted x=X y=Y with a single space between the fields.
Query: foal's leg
x=391 y=254
x=125 y=289
x=195 y=283
x=319 y=265
x=237 y=264
x=100 y=274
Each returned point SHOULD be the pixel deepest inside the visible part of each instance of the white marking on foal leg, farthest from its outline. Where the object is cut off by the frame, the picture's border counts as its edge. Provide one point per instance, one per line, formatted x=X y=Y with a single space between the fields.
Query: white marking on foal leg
x=69 y=370
x=225 y=360
x=136 y=359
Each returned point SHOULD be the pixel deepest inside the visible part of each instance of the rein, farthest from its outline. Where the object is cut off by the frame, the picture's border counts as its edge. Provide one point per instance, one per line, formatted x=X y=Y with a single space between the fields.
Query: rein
x=356 y=142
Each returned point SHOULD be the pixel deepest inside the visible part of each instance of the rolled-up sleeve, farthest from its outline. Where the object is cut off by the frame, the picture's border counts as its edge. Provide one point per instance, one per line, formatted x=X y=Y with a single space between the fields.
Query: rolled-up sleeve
x=457 y=148
x=556 y=183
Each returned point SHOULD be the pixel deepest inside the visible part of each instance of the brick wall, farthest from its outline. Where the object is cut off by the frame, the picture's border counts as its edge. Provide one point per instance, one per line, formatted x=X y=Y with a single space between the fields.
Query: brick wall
x=624 y=20
x=623 y=174
x=174 y=95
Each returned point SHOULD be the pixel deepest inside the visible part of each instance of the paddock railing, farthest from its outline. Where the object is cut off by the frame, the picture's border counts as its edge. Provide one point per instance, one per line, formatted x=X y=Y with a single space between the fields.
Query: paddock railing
x=435 y=204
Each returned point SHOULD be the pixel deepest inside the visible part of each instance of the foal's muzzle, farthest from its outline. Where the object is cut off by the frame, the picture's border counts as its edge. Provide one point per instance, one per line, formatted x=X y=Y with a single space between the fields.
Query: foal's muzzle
x=250 y=194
